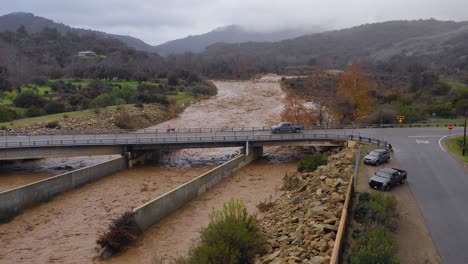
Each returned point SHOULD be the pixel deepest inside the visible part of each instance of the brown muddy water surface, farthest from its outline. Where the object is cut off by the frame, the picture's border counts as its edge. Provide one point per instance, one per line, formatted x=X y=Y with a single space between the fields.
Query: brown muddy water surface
x=65 y=229
x=173 y=237
x=19 y=173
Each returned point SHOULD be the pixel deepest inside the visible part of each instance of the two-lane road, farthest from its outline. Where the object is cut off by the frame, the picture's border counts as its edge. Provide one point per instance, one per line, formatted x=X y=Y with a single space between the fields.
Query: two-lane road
x=439 y=183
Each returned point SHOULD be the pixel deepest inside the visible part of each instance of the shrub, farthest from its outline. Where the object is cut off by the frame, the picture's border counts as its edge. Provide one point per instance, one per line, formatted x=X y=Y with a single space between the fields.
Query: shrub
x=265 y=206
x=364 y=197
x=52 y=124
x=311 y=162
x=361 y=212
x=233 y=236
x=33 y=111
x=54 y=107
x=120 y=233
x=384 y=116
x=375 y=246
x=7 y=115
x=172 y=78
x=28 y=99
x=291 y=182
x=203 y=89
x=140 y=77
x=161 y=99
x=123 y=120
x=39 y=80
x=376 y=209
x=140 y=105
x=104 y=100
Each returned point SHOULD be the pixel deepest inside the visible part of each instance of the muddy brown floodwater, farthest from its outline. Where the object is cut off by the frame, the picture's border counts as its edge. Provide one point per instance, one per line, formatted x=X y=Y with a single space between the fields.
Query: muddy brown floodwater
x=19 y=173
x=65 y=229
x=173 y=237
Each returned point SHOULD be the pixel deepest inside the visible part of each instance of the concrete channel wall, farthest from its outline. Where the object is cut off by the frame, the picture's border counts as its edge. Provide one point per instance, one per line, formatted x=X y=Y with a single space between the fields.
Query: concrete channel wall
x=16 y=200
x=159 y=208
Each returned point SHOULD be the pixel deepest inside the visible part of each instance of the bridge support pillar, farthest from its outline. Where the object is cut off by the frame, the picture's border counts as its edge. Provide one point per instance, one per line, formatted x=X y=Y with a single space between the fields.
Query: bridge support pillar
x=252 y=153
x=135 y=158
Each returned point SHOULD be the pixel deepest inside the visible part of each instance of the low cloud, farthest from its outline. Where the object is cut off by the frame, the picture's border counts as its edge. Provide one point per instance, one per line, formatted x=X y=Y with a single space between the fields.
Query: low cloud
x=159 y=21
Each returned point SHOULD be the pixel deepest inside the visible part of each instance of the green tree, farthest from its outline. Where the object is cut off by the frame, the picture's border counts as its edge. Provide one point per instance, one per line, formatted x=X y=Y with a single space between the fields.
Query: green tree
x=28 y=99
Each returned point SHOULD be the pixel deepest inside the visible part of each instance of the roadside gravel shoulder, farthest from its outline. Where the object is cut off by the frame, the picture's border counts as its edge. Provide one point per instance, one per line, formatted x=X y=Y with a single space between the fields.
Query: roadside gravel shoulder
x=414 y=240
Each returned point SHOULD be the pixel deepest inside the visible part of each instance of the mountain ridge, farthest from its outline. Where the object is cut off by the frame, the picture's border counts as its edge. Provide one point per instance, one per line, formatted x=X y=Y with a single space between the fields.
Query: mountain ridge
x=33 y=23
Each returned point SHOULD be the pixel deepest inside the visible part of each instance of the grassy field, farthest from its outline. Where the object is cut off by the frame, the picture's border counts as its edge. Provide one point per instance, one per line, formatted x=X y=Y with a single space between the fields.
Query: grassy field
x=54 y=117
x=455 y=146
x=454 y=84
x=183 y=99
x=446 y=120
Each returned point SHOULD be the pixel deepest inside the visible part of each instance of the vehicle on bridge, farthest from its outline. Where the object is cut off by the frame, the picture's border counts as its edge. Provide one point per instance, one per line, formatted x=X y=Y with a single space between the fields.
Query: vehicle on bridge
x=377 y=157
x=286 y=127
x=386 y=178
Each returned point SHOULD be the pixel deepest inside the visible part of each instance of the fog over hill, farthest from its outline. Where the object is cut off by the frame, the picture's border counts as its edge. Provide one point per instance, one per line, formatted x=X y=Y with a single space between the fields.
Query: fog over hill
x=446 y=41
x=197 y=43
x=230 y=34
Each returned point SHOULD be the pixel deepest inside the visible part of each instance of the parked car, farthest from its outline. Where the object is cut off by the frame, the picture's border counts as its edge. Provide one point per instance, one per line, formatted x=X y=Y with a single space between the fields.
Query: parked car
x=386 y=178
x=286 y=127
x=377 y=157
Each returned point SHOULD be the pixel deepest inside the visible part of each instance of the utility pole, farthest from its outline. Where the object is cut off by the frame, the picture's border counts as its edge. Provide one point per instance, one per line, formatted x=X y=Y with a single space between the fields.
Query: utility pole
x=464 y=136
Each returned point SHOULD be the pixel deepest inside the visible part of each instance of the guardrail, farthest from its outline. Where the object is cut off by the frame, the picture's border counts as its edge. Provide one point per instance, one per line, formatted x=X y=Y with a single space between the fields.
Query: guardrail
x=210 y=130
x=335 y=257
x=148 y=139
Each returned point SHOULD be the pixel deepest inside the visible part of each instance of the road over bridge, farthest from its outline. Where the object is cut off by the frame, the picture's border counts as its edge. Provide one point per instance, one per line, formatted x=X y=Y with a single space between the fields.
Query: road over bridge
x=47 y=146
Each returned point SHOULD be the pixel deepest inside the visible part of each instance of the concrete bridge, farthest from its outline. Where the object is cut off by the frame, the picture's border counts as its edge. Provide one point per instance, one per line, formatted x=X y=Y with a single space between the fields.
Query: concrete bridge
x=151 y=142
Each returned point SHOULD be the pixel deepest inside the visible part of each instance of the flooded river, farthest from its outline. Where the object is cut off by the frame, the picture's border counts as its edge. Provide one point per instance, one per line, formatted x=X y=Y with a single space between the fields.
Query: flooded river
x=65 y=229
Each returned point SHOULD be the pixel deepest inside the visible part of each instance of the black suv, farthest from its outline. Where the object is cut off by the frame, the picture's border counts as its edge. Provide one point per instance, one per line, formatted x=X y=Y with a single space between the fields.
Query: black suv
x=376 y=157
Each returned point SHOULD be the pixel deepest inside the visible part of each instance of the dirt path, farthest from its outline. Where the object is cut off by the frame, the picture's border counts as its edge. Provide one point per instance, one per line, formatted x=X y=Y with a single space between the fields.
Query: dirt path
x=413 y=238
x=174 y=235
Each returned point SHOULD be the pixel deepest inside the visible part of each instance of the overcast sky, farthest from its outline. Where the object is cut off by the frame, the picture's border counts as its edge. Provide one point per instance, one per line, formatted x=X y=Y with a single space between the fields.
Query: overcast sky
x=157 y=21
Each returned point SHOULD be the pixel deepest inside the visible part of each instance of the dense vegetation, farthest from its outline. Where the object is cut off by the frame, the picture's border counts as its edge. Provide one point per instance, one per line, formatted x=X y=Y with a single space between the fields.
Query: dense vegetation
x=311 y=162
x=418 y=93
x=57 y=96
x=375 y=242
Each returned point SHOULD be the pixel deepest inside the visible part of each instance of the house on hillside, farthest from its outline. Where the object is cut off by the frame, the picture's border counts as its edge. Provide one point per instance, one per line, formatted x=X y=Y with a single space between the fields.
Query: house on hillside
x=87 y=54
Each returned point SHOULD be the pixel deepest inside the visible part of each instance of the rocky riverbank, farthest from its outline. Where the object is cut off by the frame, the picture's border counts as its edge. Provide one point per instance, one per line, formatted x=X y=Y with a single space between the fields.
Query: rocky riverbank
x=302 y=225
x=131 y=118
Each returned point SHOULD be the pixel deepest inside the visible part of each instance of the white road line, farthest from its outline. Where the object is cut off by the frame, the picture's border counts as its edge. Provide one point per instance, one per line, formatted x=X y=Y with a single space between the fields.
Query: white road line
x=440 y=142
x=422 y=136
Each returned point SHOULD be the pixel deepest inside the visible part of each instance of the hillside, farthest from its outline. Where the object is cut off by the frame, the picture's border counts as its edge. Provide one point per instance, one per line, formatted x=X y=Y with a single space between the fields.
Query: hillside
x=34 y=24
x=229 y=34
x=427 y=40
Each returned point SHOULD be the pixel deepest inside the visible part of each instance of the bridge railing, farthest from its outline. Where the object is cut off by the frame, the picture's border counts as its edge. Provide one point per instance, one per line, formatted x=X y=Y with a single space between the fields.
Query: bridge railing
x=152 y=139
x=205 y=130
